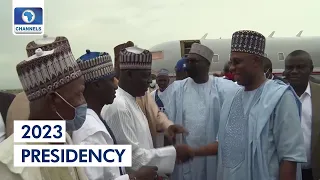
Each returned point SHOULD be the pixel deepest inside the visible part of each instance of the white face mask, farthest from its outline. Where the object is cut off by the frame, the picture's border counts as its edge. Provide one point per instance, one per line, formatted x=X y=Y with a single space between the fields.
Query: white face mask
x=265 y=74
x=153 y=84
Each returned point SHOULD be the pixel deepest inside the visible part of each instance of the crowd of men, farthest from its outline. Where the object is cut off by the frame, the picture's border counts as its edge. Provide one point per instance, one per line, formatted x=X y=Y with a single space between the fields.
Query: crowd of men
x=245 y=125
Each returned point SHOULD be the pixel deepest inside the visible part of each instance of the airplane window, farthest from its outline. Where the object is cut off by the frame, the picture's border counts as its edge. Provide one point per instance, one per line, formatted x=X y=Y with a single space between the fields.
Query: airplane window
x=215 y=58
x=281 y=56
x=157 y=55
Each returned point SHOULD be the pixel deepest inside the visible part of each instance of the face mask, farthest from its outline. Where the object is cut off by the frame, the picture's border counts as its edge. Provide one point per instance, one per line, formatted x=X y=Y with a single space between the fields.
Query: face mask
x=79 y=118
x=153 y=84
x=265 y=74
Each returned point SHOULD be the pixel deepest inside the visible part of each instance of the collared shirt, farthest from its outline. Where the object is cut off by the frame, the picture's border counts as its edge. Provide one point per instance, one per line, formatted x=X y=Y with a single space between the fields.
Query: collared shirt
x=306 y=123
x=272 y=76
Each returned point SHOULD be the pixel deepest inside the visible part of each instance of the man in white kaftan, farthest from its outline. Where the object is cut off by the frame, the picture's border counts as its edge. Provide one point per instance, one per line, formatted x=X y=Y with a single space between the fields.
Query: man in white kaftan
x=127 y=120
x=94 y=131
x=195 y=103
x=100 y=87
x=260 y=137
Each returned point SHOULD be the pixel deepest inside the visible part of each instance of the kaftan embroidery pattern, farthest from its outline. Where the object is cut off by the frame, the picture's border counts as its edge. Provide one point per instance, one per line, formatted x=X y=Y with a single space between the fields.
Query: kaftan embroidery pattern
x=235 y=140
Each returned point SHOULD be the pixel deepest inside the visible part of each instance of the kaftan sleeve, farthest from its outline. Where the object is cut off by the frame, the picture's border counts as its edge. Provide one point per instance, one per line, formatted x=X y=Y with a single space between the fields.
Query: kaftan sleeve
x=226 y=88
x=287 y=130
x=101 y=173
x=169 y=98
x=122 y=124
x=162 y=121
x=123 y=177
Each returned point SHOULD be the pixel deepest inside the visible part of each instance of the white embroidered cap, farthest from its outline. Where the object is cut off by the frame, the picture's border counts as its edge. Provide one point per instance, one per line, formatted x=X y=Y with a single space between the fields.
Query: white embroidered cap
x=47 y=71
x=46 y=44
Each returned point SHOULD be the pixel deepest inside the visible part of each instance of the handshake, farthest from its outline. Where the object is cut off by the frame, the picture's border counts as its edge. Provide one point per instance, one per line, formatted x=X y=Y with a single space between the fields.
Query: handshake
x=184 y=153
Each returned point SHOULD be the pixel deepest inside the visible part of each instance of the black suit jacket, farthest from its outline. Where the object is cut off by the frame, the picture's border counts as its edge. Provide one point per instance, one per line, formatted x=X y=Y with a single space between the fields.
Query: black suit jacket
x=5 y=101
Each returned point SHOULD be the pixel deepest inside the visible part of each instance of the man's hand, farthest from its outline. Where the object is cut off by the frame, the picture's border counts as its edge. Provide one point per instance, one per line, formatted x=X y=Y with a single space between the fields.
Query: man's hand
x=184 y=153
x=174 y=129
x=145 y=173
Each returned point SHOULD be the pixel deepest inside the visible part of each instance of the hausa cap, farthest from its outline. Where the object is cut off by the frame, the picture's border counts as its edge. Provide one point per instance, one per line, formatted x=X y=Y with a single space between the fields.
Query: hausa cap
x=47 y=71
x=248 y=41
x=96 y=65
x=135 y=58
x=163 y=72
x=46 y=44
x=202 y=50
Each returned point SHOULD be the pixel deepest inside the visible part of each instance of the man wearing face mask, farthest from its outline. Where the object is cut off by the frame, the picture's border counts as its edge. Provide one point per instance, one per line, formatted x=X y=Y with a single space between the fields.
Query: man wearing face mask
x=153 y=84
x=267 y=68
x=163 y=82
x=127 y=120
x=195 y=102
x=53 y=85
x=100 y=89
x=19 y=108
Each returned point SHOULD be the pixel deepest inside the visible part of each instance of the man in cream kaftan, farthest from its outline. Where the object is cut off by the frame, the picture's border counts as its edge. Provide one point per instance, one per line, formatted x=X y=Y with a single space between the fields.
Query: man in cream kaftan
x=40 y=107
x=9 y=172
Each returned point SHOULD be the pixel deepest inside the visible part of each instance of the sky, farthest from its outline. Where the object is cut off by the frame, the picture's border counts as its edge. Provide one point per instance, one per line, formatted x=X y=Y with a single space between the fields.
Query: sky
x=102 y=25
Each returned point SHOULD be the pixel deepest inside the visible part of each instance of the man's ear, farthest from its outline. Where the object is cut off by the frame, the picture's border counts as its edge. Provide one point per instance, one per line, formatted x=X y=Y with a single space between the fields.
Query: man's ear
x=311 y=68
x=129 y=74
x=95 y=85
x=52 y=99
x=258 y=61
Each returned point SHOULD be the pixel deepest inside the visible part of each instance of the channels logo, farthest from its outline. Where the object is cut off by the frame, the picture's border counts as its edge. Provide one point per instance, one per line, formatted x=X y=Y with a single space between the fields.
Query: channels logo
x=28 y=20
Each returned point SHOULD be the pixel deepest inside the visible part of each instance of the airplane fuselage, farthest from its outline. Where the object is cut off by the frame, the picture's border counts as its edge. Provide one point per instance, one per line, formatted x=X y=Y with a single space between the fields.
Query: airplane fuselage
x=168 y=53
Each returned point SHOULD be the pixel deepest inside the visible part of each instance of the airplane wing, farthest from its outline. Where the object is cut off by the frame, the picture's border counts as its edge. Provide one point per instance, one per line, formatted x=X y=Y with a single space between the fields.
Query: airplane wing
x=204 y=37
x=299 y=34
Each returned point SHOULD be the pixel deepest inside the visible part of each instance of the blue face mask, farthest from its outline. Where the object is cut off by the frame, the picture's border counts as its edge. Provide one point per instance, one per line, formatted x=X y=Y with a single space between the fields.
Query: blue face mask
x=79 y=118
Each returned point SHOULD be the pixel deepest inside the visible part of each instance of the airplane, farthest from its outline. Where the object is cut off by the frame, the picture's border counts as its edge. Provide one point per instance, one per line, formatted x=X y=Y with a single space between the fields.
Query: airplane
x=166 y=55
